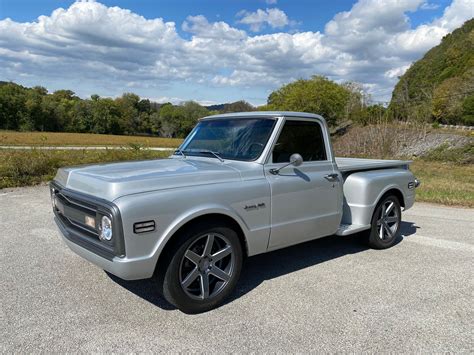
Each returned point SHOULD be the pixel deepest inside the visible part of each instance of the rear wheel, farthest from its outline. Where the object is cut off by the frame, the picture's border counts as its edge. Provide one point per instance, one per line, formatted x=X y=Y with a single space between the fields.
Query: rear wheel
x=203 y=269
x=386 y=222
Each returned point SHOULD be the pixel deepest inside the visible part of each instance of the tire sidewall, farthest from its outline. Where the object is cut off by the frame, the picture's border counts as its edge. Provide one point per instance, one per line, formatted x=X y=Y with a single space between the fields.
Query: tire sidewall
x=172 y=290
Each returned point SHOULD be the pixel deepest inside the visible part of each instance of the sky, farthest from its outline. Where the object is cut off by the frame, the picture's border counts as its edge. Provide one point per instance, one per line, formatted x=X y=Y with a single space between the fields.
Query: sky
x=217 y=51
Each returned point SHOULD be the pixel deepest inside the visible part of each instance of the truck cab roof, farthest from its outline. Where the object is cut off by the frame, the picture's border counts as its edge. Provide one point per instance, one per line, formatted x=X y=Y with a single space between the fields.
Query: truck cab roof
x=270 y=114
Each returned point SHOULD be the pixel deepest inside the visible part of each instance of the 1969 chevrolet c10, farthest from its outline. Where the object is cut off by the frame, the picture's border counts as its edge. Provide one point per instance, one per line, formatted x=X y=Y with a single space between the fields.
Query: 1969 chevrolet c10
x=240 y=184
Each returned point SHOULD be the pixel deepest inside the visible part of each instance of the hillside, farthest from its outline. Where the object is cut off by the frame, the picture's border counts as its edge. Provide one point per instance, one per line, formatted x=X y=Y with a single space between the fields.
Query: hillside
x=440 y=86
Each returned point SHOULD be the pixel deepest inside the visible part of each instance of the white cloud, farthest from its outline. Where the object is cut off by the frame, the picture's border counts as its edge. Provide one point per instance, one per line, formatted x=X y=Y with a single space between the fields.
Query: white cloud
x=201 y=28
x=396 y=72
x=456 y=14
x=115 y=50
x=429 y=6
x=275 y=18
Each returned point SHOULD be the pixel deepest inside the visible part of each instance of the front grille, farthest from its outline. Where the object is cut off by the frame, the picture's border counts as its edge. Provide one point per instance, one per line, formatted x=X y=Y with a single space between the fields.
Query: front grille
x=76 y=212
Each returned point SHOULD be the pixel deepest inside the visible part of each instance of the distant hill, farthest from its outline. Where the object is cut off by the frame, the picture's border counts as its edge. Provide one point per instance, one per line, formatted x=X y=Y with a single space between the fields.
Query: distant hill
x=218 y=107
x=237 y=106
x=440 y=86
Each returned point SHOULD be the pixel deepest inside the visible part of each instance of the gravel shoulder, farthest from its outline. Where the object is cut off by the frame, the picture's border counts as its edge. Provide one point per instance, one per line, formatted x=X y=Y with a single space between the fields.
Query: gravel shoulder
x=329 y=295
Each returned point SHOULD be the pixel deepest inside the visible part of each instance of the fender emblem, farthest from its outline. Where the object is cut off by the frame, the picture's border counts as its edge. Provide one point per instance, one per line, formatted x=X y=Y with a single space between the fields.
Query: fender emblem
x=254 y=207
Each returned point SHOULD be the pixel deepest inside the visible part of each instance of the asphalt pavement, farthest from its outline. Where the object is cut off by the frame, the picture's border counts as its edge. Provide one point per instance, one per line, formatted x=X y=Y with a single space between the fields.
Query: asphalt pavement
x=329 y=295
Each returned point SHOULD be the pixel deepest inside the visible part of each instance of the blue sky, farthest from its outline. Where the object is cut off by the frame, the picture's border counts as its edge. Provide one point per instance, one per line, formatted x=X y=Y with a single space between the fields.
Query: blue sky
x=217 y=51
x=311 y=14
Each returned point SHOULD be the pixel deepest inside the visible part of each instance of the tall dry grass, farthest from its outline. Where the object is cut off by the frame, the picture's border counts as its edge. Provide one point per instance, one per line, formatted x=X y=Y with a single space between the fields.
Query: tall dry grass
x=383 y=140
x=387 y=140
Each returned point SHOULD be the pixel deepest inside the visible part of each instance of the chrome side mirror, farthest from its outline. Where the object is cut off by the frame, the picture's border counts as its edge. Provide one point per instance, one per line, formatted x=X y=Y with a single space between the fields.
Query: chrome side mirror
x=295 y=160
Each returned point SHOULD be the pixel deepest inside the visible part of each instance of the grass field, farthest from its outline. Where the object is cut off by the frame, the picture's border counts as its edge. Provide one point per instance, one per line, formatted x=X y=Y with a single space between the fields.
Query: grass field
x=82 y=139
x=30 y=167
x=445 y=183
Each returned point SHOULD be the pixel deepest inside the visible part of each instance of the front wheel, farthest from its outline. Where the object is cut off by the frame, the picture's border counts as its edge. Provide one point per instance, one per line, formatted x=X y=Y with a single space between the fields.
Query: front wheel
x=204 y=268
x=386 y=222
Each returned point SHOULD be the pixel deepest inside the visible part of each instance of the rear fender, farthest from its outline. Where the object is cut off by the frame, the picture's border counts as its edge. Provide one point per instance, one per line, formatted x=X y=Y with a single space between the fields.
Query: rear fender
x=363 y=190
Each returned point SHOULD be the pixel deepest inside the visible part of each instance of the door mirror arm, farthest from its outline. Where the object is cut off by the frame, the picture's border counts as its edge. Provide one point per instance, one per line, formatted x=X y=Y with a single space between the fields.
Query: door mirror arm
x=295 y=160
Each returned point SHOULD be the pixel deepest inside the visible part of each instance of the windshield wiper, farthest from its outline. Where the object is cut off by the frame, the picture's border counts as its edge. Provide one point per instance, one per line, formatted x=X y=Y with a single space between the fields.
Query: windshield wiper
x=179 y=151
x=201 y=151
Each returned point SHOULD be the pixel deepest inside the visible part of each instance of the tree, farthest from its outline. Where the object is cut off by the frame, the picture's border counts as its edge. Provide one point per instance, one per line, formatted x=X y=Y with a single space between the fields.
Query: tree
x=168 y=122
x=128 y=108
x=316 y=95
x=238 y=106
x=191 y=111
x=444 y=108
x=356 y=107
x=468 y=110
x=12 y=105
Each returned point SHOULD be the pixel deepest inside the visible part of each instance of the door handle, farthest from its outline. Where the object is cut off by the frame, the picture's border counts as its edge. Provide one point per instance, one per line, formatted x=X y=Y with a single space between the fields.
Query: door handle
x=332 y=177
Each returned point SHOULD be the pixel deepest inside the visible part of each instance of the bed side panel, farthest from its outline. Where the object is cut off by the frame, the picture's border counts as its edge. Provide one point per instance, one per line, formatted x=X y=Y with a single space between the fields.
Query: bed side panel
x=362 y=191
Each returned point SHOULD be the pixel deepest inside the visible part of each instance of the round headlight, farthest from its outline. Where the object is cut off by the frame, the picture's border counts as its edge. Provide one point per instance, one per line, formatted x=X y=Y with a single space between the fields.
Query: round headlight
x=106 y=228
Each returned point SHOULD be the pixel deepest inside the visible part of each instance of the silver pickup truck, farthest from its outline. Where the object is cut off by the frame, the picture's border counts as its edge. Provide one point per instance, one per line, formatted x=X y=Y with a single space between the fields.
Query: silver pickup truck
x=240 y=184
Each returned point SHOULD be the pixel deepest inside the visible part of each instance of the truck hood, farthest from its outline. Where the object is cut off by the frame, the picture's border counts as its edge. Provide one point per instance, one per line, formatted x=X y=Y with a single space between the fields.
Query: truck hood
x=113 y=180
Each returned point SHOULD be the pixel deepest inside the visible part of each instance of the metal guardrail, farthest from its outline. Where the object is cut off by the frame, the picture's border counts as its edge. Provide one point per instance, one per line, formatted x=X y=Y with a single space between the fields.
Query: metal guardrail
x=463 y=128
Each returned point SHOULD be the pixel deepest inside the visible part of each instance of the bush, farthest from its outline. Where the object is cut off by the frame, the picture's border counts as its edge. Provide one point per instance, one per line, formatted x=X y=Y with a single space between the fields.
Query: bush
x=446 y=153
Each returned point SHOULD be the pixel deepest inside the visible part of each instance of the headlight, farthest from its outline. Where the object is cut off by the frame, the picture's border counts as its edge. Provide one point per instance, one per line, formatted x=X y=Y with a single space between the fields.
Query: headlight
x=105 y=228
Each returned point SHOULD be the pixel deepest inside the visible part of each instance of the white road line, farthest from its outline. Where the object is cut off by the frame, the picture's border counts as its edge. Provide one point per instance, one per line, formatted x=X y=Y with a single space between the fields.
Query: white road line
x=440 y=243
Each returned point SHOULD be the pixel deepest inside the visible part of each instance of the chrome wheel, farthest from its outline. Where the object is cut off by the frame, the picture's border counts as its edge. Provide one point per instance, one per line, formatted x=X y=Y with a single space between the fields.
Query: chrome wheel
x=388 y=221
x=207 y=266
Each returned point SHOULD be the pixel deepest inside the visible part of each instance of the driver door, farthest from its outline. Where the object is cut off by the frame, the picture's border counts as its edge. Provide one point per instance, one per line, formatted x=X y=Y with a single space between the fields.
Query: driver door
x=305 y=200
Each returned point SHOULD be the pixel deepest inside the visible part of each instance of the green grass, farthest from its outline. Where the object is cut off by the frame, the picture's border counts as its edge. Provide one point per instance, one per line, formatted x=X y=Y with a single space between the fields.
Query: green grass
x=30 y=167
x=82 y=139
x=445 y=183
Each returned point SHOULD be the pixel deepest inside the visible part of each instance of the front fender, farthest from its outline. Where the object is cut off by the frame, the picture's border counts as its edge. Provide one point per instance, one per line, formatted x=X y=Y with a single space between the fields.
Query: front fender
x=173 y=208
x=196 y=212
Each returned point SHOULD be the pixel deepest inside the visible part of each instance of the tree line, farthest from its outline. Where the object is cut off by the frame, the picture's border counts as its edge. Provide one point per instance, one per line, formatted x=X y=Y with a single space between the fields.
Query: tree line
x=35 y=109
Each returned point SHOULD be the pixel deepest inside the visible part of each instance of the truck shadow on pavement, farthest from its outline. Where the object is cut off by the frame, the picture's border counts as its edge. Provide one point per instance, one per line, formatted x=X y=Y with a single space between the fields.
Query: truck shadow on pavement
x=271 y=265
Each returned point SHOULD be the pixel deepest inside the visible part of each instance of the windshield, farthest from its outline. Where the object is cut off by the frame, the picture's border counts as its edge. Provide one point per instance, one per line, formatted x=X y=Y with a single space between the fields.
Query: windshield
x=235 y=139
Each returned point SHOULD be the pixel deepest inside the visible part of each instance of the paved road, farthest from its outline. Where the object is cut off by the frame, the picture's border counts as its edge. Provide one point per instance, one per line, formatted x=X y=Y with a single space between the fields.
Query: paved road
x=69 y=147
x=327 y=295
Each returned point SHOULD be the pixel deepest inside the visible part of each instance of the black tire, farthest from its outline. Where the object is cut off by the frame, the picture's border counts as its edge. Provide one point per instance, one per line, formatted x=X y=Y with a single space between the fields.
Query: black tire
x=177 y=267
x=389 y=223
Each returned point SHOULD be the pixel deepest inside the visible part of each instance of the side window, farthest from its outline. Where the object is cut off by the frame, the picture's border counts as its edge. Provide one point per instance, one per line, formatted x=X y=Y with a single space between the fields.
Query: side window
x=302 y=137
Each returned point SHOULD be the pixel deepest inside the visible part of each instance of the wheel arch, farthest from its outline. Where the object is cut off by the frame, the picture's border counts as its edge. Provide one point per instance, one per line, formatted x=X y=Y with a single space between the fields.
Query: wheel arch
x=214 y=216
x=392 y=190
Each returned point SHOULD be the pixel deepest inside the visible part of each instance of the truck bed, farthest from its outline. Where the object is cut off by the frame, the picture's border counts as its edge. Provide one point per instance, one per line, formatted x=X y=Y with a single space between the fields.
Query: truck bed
x=357 y=164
